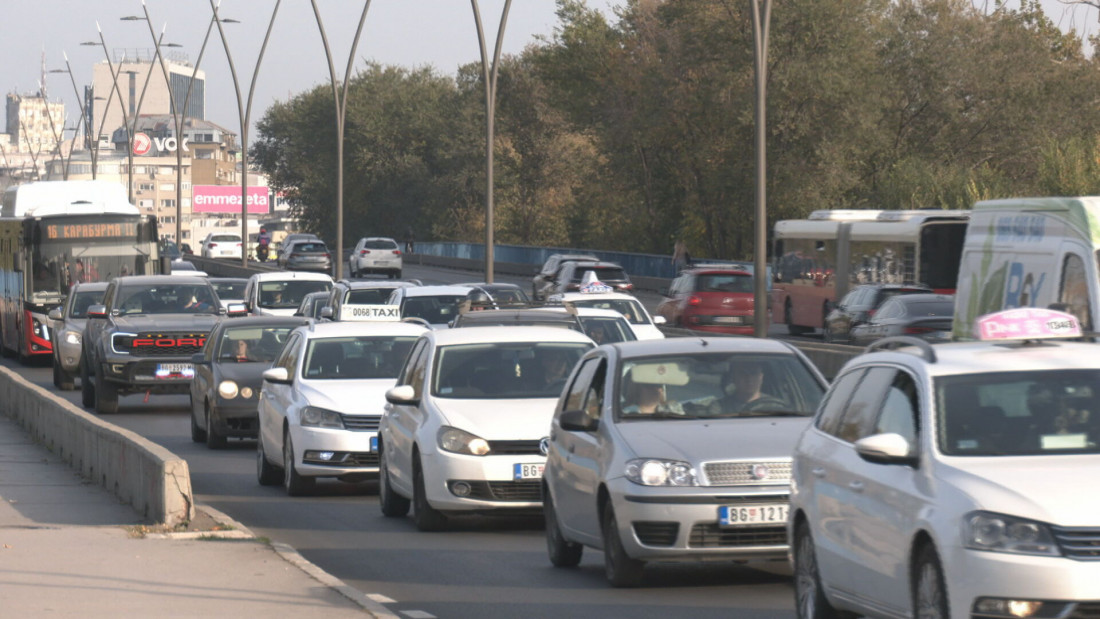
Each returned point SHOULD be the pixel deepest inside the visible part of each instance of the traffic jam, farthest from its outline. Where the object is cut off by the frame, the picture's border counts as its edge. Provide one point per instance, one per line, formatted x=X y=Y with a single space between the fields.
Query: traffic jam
x=939 y=473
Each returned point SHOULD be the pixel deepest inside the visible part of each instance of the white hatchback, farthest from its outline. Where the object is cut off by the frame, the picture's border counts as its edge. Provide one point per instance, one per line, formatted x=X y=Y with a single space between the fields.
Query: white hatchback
x=644 y=325
x=322 y=400
x=466 y=426
x=954 y=480
x=220 y=245
x=375 y=254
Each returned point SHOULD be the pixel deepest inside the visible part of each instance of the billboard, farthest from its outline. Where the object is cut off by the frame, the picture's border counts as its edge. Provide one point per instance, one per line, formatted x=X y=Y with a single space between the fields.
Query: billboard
x=227 y=199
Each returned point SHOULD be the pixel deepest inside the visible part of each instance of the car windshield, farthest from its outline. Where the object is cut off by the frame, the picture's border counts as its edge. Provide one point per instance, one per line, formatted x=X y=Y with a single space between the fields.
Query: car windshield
x=1019 y=413
x=83 y=300
x=288 y=294
x=717 y=385
x=380 y=244
x=167 y=299
x=252 y=344
x=368 y=296
x=605 y=330
x=509 y=295
x=505 y=369
x=229 y=290
x=629 y=308
x=723 y=282
x=356 y=357
x=435 y=309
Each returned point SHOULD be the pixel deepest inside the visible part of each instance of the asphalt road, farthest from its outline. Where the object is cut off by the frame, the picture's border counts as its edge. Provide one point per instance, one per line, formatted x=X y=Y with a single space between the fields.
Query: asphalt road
x=481 y=567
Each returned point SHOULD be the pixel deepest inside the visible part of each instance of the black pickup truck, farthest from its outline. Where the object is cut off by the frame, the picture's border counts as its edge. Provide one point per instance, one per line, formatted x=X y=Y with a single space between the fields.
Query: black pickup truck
x=141 y=339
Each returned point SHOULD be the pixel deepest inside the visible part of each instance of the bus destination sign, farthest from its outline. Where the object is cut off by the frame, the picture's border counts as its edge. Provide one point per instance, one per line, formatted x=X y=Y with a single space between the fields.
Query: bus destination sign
x=121 y=230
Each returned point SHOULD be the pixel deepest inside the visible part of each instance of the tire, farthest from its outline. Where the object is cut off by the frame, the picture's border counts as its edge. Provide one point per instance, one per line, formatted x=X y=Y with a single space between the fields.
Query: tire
x=426 y=517
x=792 y=328
x=266 y=473
x=809 y=596
x=214 y=439
x=198 y=435
x=293 y=483
x=106 y=396
x=929 y=589
x=87 y=391
x=621 y=570
x=562 y=553
x=62 y=379
x=393 y=505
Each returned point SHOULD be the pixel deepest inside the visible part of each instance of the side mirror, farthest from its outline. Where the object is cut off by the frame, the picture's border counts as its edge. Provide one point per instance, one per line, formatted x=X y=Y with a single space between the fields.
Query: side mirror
x=198 y=358
x=97 y=311
x=326 y=311
x=577 y=421
x=236 y=309
x=277 y=375
x=55 y=314
x=888 y=448
x=402 y=394
x=659 y=320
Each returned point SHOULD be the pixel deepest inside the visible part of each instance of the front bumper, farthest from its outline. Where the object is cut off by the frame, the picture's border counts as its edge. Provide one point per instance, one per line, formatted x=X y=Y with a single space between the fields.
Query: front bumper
x=237 y=418
x=682 y=524
x=354 y=452
x=133 y=375
x=491 y=479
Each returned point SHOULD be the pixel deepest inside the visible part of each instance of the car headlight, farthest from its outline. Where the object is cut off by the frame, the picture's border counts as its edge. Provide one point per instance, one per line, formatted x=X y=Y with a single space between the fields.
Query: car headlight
x=317 y=417
x=462 y=442
x=654 y=472
x=71 y=337
x=227 y=389
x=1000 y=533
x=38 y=328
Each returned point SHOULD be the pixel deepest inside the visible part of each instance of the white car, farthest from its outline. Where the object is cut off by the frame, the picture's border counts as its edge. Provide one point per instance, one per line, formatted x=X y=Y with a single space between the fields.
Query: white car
x=436 y=306
x=955 y=480
x=280 y=293
x=221 y=245
x=322 y=400
x=644 y=325
x=466 y=426
x=375 y=254
x=229 y=289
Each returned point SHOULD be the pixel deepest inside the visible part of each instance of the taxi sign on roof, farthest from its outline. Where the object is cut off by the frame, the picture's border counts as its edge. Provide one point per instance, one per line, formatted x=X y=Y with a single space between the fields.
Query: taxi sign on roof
x=362 y=313
x=591 y=285
x=1027 y=323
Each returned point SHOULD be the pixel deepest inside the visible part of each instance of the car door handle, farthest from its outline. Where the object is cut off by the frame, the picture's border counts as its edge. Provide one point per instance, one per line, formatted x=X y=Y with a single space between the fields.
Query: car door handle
x=856 y=485
x=818 y=471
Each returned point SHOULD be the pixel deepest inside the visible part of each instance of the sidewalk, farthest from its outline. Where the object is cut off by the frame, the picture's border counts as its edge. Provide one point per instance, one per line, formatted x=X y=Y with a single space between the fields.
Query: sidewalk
x=68 y=548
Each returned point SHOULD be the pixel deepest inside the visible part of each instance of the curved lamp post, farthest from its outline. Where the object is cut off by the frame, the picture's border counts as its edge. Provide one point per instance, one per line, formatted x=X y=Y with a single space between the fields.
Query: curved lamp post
x=58 y=139
x=80 y=101
x=490 y=78
x=761 y=18
x=341 y=102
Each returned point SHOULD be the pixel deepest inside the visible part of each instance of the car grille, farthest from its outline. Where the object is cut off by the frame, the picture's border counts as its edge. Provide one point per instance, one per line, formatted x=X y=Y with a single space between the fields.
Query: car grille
x=1079 y=543
x=657 y=533
x=742 y=473
x=159 y=344
x=1086 y=610
x=362 y=423
x=712 y=536
x=347 y=459
x=514 y=448
x=519 y=491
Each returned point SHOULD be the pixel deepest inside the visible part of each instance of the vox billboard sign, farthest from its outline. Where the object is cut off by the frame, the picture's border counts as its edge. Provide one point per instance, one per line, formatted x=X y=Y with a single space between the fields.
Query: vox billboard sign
x=143 y=144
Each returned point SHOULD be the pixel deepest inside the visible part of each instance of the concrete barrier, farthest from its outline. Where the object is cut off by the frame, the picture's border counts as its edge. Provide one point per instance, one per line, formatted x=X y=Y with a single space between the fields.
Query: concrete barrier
x=142 y=474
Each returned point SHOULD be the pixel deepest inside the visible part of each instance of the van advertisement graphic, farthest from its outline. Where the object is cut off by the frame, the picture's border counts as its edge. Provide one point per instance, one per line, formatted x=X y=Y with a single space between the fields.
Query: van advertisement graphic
x=227 y=199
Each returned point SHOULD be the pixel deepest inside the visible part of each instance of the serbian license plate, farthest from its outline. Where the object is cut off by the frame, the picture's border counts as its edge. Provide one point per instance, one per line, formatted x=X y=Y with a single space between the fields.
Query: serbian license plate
x=175 y=370
x=728 y=320
x=743 y=515
x=374 y=443
x=527 y=471
x=227 y=252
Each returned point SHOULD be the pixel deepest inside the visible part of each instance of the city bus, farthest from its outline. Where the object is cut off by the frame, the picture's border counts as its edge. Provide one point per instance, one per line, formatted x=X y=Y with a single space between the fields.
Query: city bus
x=54 y=234
x=819 y=259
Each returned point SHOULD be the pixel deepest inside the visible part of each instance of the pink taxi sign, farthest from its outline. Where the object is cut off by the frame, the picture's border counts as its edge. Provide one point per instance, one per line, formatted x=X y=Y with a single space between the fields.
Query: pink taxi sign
x=1027 y=323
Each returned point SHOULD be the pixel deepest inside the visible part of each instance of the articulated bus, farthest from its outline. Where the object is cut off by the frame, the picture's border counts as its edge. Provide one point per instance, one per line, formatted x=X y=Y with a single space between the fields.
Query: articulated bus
x=818 y=260
x=54 y=234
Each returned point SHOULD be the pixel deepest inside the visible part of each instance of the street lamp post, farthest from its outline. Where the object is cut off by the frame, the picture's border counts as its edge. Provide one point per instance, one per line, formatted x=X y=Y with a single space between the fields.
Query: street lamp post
x=490 y=78
x=80 y=101
x=245 y=111
x=761 y=18
x=341 y=102
x=53 y=130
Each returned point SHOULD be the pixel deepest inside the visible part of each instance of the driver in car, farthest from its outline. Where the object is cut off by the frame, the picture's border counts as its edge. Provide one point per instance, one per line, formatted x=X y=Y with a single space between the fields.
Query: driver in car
x=747 y=378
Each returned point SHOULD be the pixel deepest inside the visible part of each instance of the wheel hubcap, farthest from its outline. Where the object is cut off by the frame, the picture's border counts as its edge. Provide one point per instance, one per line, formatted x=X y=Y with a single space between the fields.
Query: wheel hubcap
x=806 y=576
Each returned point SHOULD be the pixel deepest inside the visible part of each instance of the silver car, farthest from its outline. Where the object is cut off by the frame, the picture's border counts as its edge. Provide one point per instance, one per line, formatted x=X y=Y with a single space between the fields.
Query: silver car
x=67 y=323
x=676 y=450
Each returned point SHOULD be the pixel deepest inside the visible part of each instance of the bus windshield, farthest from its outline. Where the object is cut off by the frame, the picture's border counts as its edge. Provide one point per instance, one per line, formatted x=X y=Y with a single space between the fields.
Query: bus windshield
x=57 y=266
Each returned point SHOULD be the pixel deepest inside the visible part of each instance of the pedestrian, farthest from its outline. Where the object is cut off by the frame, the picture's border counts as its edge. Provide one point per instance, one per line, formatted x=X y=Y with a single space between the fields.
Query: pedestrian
x=680 y=257
x=410 y=241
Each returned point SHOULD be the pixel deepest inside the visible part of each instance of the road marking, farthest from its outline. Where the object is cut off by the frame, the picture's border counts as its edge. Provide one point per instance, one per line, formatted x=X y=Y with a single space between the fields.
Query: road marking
x=381 y=599
x=417 y=614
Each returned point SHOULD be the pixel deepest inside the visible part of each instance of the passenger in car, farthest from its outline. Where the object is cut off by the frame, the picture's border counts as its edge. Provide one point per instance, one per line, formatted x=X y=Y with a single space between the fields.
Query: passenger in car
x=647 y=398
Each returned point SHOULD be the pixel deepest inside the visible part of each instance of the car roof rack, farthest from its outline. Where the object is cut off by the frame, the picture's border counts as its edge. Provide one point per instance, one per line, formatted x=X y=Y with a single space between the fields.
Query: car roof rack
x=890 y=343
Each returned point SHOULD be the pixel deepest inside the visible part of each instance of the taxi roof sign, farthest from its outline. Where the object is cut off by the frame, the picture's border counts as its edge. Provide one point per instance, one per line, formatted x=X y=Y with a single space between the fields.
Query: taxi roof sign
x=373 y=313
x=1027 y=323
x=590 y=284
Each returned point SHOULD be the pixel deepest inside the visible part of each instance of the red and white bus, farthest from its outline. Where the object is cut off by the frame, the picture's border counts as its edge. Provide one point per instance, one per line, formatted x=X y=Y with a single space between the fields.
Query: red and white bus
x=54 y=234
x=817 y=260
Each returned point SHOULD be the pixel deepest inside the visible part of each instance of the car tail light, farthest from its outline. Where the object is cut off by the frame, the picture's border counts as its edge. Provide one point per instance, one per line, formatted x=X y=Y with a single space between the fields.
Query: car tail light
x=397 y=252
x=364 y=252
x=870 y=313
x=295 y=255
x=626 y=286
x=212 y=245
x=916 y=330
x=694 y=300
x=328 y=255
x=573 y=287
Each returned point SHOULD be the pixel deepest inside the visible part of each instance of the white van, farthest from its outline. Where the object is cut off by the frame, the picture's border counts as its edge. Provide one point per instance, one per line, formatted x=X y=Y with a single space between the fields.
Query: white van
x=1030 y=252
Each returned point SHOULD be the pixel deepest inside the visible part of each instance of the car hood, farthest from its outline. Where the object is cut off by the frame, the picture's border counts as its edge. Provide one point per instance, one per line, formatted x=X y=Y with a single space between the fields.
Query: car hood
x=361 y=396
x=708 y=440
x=244 y=374
x=166 y=322
x=499 y=420
x=1043 y=488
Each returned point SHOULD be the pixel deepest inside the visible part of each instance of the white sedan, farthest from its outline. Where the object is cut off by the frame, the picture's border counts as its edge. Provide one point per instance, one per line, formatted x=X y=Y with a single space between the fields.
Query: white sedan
x=466 y=426
x=322 y=400
x=644 y=325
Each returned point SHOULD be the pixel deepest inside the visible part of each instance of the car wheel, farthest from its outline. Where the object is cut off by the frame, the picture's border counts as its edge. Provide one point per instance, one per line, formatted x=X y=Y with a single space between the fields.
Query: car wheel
x=929 y=590
x=62 y=379
x=809 y=596
x=621 y=570
x=792 y=328
x=87 y=391
x=106 y=396
x=266 y=473
x=295 y=484
x=198 y=435
x=426 y=517
x=393 y=505
x=214 y=439
x=562 y=553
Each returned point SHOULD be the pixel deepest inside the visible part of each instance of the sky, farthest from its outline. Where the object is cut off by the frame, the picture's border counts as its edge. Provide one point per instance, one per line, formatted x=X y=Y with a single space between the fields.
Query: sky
x=411 y=33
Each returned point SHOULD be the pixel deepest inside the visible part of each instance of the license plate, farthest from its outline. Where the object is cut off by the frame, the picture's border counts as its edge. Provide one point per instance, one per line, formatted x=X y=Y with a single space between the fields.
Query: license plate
x=175 y=370
x=744 y=515
x=527 y=471
x=729 y=320
x=227 y=252
x=374 y=443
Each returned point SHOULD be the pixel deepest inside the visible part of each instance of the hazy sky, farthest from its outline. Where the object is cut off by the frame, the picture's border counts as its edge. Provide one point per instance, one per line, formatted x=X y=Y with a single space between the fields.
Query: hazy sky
x=412 y=33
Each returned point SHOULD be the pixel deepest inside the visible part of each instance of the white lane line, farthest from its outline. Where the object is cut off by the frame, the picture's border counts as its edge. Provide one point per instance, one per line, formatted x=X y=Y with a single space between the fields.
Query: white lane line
x=417 y=614
x=381 y=599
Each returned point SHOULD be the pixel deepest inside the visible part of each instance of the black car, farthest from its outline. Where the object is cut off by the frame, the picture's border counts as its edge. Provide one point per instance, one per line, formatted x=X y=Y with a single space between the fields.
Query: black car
x=312 y=304
x=498 y=294
x=225 y=392
x=547 y=277
x=572 y=277
x=859 y=305
x=926 y=316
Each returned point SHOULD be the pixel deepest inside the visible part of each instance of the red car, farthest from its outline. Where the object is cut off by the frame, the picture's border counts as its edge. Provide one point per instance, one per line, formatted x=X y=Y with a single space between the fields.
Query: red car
x=711 y=298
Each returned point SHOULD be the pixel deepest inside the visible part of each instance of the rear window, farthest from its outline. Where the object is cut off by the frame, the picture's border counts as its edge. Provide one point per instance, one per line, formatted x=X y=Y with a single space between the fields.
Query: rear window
x=723 y=282
x=930 y=308
x=310 y=247
x=602 y=273
x=369 y=296
x=229 y=290
x=435 y=310
x=226 y=238
x=380 y=245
